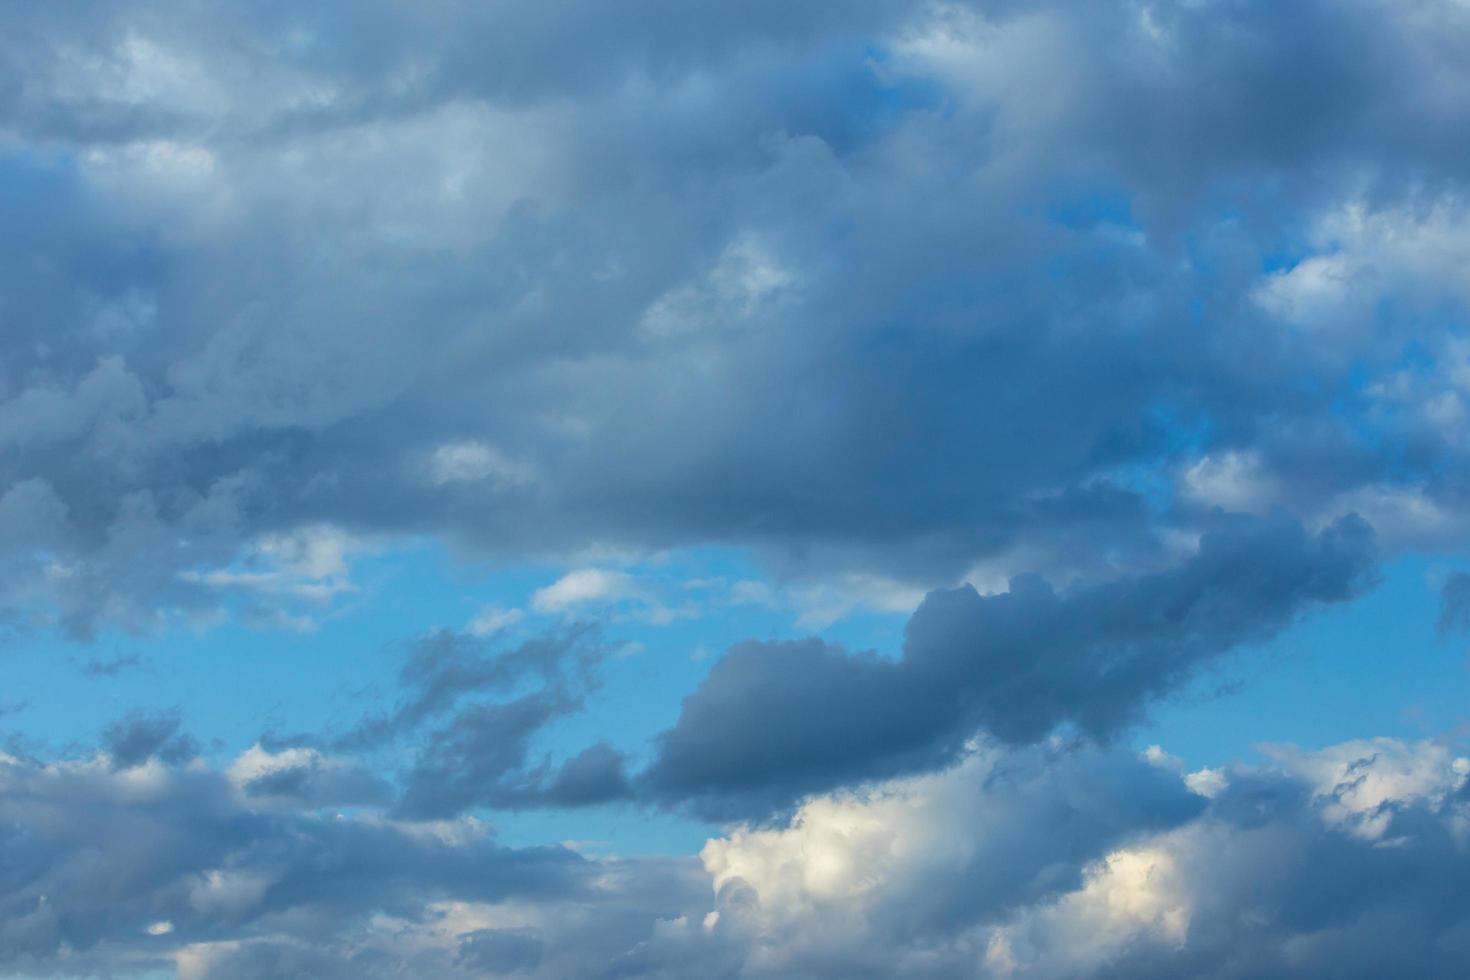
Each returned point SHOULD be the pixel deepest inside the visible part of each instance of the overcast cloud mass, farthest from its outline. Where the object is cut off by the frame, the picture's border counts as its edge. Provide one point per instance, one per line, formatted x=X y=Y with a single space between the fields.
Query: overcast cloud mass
x=456 y=456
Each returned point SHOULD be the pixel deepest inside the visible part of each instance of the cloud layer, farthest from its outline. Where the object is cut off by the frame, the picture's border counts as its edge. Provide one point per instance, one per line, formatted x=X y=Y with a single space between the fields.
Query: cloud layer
x=1050 y=861
x=891 y=288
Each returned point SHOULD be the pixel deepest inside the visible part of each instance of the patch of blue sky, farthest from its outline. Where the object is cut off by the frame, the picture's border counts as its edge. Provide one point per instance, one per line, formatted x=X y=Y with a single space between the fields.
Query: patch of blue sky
x=232 y=682
x=1099 y=207
x=1305 y=685
x=674 y=615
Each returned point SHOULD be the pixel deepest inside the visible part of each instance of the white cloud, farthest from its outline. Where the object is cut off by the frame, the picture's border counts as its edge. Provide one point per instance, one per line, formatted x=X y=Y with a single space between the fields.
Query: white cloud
x=624 y=594
x=583 y=586
x=1356 y=779
x=1233 y=480
x=492 y=619
x=1207 y=782
x=287 y=579
x=853 y=876
x=745 y=279
x=471 y=461
x=1363 y=255
x=256 y=762
x=821 y=604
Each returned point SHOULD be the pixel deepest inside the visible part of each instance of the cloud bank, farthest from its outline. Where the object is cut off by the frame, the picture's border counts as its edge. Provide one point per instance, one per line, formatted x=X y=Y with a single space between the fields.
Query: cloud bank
x=884 y=289
x=1057 y=860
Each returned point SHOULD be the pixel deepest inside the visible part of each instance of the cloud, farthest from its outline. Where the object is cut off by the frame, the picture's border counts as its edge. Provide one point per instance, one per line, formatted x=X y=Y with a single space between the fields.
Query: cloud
x=774 y=721
x=1454 y=603
x=444 y=668
x=614 y=594
x=139 y=736
x=501 y=951
x=97 y=667
x=493 y=619
x=1058 y=859
x=462 y=762
x=464 y=732
x=799 y=306
x=133 y=872
x=464 y=462
x=1052 y=862
x=306 y=778
x=585 y=585
x=1117 y=309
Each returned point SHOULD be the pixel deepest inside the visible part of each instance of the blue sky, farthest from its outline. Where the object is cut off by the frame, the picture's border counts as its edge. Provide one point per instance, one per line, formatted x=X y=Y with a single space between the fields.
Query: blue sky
x=1303 y=686
x=760 y=491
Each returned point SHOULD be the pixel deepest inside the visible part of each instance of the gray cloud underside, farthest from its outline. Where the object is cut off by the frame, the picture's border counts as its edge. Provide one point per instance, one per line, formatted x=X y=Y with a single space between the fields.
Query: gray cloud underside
x=774 y=721
x=1034 y=863
x=881 y=285
x=93 y=858
x=777 y=721
x=471 y=710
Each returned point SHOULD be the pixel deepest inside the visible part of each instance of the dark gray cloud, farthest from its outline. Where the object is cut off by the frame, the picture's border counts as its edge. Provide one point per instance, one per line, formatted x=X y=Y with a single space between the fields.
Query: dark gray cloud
x=1454 y=603
x=1060 y=860
x=595 y=775
x=142 y=735
x=313 y=783
x=862 y=286
x=106 y=875
x=1342 y=862
x=446 y=667
x=460 y=764
x=470 y=712
x=774 y=721
x=501 y=951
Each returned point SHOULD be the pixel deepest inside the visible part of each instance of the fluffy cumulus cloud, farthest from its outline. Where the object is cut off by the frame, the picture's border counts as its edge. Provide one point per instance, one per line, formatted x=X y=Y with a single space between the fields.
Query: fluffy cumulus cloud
x=1065 y=862
x=1059 y=860
x=1100 y=339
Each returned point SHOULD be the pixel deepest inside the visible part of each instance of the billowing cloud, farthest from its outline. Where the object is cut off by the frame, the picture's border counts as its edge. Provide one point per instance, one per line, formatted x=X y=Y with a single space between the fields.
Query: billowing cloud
x=1057 y=860
x=1052 y=862
x=774 y=721
x=151 y=868
x=882 y=290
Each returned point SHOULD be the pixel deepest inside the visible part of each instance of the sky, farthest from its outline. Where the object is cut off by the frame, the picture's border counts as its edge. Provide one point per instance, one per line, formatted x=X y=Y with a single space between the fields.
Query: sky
x=761 y=491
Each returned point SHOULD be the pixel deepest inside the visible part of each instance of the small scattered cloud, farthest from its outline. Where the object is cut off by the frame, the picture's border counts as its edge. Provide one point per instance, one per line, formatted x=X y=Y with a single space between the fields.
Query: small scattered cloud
x=1454 y=604
x=585 y=586
x=614 y=593
x=492 y=619
x=140 y=736
x=123 y=663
